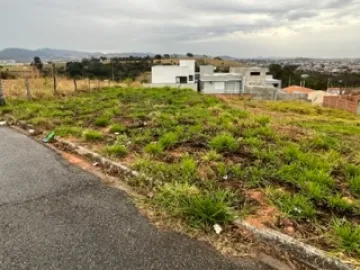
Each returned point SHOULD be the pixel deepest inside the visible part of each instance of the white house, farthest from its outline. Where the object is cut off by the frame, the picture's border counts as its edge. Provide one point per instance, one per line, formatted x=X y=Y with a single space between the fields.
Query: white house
x=219 y=83
x=182 y=75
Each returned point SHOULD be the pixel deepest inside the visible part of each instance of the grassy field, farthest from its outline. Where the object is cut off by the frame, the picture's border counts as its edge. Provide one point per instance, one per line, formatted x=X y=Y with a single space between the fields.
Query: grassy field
x=42 y=88
x=287 y=165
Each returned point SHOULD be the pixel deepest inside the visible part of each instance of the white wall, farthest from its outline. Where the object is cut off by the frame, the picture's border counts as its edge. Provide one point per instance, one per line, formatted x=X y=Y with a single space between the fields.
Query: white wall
x=192 y=86
x=168 y=74
x=230 y=87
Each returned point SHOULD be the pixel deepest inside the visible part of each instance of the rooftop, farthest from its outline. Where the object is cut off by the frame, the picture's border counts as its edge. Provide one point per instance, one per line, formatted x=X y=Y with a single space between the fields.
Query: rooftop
x=297 y=89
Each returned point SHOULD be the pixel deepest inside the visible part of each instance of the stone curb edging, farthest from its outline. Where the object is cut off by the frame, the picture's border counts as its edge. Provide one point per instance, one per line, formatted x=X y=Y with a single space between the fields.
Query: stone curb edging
x=300 y=252
x=297 y=250
x=303 y=253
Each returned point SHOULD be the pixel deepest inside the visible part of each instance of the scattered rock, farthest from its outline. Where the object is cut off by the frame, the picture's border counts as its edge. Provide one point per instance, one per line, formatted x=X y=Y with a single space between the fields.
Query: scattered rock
x=96 y=164
x=218 y=229
x=31 y=131
x=3 y=123
x=290 y=230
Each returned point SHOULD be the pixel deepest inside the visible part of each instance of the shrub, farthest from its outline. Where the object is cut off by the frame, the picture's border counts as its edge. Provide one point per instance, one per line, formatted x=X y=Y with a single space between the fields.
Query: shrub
x=92 y=135
x=116 y=128
x=154 y=148
x=224 y=143
x=168 y=139
x=346 y=237
x=116 y=150
x=101 y=122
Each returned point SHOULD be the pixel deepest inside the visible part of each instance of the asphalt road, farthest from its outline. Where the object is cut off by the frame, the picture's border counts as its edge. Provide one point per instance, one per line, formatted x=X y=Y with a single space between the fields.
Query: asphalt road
x=56 y=216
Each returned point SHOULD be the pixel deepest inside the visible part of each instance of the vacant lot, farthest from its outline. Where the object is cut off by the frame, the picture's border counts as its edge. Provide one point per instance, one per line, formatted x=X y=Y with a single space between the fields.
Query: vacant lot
x=43 y=88
x=290 y=166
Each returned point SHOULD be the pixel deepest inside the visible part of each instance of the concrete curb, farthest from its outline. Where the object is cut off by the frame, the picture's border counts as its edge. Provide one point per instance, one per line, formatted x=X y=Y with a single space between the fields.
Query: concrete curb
x=298 y=251
x=303 y=253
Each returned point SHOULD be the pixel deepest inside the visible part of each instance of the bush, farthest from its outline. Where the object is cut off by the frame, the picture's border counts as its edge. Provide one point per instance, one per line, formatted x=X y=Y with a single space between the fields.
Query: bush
x=154 y=148
x=116 y=150
x=101 y=122
x=224 y=143
x=346 y=237
x=116 y=128
x=92 y=135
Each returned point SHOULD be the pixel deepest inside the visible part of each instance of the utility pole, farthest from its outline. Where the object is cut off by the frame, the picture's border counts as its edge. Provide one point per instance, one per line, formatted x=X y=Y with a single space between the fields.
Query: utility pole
x=2 y=99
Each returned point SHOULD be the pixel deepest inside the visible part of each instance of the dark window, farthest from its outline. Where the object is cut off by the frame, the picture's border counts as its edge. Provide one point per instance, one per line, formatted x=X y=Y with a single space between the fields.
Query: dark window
x=181 y=79
x=255 y=73
x=191 y=78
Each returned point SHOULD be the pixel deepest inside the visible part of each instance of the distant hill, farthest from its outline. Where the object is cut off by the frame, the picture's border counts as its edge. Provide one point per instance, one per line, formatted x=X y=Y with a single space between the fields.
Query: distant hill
x=47 y=54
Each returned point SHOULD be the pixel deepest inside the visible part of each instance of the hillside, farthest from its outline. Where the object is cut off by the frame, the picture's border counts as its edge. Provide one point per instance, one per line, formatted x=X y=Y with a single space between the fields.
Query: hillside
x=47 y=54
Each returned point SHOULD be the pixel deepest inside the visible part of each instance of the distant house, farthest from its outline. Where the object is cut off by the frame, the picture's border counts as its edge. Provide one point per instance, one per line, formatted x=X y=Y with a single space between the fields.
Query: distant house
x=219 y=83
x=182 y=75
x=295 y=89
x=208 y=81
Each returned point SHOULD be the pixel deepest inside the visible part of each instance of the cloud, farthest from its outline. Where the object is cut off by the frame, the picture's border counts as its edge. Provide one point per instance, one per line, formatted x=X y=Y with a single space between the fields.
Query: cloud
x=207 y=26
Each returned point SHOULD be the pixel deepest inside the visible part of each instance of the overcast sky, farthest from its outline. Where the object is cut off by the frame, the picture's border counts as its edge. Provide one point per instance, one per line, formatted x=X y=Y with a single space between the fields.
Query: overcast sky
x=242 y=28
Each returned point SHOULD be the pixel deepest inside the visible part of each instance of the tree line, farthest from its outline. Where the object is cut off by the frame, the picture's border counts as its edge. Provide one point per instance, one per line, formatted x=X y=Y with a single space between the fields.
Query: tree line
x=290 y=75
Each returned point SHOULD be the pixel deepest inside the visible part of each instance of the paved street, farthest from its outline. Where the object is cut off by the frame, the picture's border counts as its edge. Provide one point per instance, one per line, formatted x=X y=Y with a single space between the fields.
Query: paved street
x=56 y=216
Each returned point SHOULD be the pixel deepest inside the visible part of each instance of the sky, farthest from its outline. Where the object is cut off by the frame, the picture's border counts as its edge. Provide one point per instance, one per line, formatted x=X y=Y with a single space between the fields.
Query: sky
x=240 y=28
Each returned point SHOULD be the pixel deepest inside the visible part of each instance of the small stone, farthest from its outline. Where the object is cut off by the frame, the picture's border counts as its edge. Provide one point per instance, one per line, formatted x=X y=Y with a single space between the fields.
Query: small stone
x=117 y=133
x=226 y=177
x=218 y=228
x=290 y=230
x=96 y=164
x=3 y=123
x=31 y=131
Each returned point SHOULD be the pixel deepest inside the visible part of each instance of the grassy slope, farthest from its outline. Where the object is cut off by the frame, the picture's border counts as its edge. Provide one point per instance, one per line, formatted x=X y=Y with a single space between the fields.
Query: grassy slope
x=207 y=155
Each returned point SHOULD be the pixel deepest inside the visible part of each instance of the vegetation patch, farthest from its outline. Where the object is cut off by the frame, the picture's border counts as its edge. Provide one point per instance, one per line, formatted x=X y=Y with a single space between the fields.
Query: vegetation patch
x=203 y=156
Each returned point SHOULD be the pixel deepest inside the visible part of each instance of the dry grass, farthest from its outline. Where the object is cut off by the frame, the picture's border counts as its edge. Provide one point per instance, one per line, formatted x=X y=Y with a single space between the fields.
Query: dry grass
x=43 y=87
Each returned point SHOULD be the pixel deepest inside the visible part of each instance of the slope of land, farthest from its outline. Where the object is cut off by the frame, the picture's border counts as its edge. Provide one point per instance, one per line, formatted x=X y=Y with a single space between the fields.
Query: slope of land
x=288 y=165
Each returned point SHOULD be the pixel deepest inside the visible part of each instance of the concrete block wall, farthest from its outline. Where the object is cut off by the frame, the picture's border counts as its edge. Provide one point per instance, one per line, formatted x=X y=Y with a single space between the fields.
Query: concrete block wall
x=349 y=104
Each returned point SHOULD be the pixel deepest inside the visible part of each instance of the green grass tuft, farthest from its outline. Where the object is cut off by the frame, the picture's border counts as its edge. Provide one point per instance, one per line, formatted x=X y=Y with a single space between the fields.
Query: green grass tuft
x=346 y=237
x=116 y=128
x=116 y=150
x=102 y=122
x=224 y=143
x=92 y=135
x=154 y=148
x=199 y=208
x=64 y=131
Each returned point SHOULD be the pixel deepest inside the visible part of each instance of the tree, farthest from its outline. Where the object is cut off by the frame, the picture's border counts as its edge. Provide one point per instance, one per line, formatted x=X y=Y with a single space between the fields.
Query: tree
x=166 y=56
x=157 y=57
x=189 y=54
x=37 y=63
